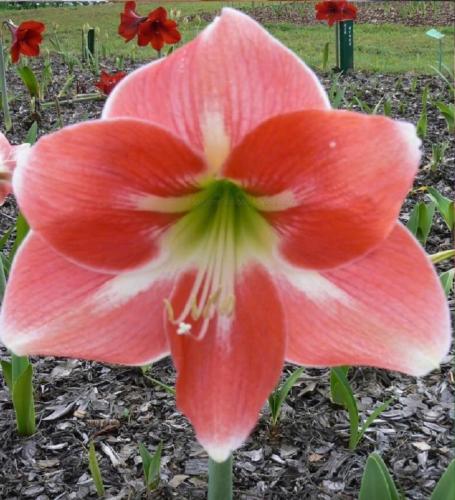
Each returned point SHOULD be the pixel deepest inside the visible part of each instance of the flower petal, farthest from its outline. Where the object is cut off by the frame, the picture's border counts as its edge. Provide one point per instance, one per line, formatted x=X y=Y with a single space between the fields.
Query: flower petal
x=225 y=377
x=85 y=190
x=386 y=310
x=53 y=307
x=217 y=88
x=345 y=176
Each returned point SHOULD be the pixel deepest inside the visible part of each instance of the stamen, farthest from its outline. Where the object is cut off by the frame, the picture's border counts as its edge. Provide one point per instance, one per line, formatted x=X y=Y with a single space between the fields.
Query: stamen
x=216 y=236
x=184 y=328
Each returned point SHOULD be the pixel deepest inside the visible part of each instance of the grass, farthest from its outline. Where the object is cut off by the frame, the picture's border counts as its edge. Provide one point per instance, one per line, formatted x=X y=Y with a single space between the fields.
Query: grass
x=380 y=48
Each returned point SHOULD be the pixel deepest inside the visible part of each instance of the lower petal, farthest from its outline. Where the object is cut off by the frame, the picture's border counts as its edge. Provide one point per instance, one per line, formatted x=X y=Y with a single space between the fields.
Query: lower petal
x=225 y=377
x=54 y=307
x=386 y=310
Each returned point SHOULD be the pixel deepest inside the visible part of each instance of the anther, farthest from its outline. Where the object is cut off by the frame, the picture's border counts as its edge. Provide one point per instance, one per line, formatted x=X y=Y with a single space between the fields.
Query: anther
x=183 y=328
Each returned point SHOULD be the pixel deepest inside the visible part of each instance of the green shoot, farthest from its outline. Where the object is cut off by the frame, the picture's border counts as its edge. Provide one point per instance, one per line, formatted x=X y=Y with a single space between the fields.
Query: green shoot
x=444 y=205
x=448 y=112
x=377 y=483
x=447 y=280
x=442 y=256
x=151 y=465
x=438 y=155
x=95 y=471
x=277 y=398
x=3 y=89
x=420 y=221
x=445 y=488
x=342 y=394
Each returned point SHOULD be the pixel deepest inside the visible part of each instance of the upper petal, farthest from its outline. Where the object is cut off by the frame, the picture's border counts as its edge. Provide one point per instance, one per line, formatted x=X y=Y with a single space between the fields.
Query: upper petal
x=217 y=88
x=54 y=307
x=225 y=377
x=86 y=190
x=386 y=309
x=344 y=174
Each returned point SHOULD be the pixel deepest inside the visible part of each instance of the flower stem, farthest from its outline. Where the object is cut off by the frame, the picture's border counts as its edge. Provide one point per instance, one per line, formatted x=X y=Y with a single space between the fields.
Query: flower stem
x=3 y=91
x=220 y=480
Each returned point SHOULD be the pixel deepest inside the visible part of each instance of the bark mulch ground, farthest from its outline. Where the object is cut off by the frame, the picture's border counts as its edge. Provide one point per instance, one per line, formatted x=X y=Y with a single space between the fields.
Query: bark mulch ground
x=306 y=457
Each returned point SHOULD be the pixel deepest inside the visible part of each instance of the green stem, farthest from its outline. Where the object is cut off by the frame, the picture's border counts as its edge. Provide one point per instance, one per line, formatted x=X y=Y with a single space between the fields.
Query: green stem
x=5 y=107
x=18 y=365
x=220 y=480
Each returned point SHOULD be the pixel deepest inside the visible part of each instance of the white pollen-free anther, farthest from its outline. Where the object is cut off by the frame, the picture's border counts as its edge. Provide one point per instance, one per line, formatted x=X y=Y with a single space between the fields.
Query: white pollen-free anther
x=183 y=328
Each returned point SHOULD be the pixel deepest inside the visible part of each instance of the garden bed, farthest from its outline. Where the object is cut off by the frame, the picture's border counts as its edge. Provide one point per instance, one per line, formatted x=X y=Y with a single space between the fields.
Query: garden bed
x=306 y=456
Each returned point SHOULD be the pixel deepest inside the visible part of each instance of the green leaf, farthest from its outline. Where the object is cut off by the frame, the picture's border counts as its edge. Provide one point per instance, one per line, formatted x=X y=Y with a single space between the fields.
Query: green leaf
x=7 y=371
x=277 y=398
x=2 y=279
x=30 y=81
x=345 y=394
x=420 y=220
x=448 y=112
x=151 y=465
x=32 y=133
x=325 y=56
x=442 y=256
x=23 y=402
x=95 y=470
x=447 y=280
x=377 y=483
x=5 y=237
x=444 y=205
x=445 y=489
x=46 y=79
x=387 y=107
x=335 y=395
x=422 y=125
x=22 y=229
x=382 y=407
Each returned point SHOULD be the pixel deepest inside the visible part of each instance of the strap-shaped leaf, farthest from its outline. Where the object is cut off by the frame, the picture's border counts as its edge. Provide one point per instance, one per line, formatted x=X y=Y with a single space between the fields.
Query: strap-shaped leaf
x=377 y=483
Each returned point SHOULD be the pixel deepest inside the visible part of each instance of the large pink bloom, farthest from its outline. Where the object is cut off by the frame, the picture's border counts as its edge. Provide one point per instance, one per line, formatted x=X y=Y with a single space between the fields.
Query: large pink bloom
x=8 y=160
x=222 y=213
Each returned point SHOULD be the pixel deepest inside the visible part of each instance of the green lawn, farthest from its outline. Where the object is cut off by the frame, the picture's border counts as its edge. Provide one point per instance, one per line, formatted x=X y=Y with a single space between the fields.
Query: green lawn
x=380 y=48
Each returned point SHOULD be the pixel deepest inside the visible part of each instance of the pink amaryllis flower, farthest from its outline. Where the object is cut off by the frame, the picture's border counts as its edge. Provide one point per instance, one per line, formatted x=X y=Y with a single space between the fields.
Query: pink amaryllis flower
x=223 y=213
x=8 y=159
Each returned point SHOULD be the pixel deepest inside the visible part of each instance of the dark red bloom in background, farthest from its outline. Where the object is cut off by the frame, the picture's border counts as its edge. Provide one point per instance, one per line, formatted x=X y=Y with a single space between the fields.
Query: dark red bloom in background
x=129 y=22
x=334 y=11
x=107 y=81
x=27 y=38
x=155 y=29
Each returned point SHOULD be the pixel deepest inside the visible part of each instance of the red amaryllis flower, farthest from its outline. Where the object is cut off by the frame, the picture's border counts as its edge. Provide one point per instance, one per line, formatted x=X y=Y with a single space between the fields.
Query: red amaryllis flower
x=8 y=159
x=130 y=21
x=223 y=213
x=158 y=30
x=107 y=81
x=334 y=11
x=27 y=38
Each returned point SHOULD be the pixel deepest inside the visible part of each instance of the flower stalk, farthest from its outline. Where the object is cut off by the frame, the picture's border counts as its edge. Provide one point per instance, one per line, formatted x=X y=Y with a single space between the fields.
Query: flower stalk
x=220 y=480
x=3 y=90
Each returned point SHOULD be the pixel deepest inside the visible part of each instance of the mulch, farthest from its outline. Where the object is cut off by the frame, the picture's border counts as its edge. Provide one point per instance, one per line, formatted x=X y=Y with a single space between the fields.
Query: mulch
x=306 y=456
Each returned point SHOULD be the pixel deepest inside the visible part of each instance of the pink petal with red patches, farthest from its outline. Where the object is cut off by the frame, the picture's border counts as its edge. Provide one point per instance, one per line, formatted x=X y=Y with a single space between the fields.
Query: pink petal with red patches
x=386 y=310
x=220 y=86
x=225 y=377
x=87 y=189
x=343 y=177
x=53 y=307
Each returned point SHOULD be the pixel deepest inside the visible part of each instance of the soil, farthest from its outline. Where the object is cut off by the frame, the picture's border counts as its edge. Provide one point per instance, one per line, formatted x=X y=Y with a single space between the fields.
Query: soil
x=306 y=456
